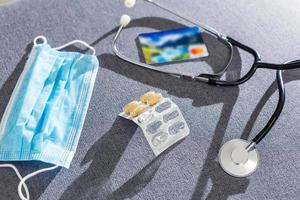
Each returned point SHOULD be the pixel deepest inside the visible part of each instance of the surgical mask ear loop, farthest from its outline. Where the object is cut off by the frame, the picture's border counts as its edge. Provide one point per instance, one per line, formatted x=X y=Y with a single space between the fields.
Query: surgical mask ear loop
x=40 y=38
x=22 y=181
x=77 y=41
x=44 y=41
x=20 y=177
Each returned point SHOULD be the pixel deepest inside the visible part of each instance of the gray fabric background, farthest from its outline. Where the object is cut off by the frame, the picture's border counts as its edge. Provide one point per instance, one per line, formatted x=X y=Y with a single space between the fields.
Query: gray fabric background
x=113 y=160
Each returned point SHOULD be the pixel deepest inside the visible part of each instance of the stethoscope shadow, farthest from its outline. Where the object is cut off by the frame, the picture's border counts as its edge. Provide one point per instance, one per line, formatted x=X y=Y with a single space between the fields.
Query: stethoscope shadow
x=218 y=52
x=9 y=180
x=201 y=94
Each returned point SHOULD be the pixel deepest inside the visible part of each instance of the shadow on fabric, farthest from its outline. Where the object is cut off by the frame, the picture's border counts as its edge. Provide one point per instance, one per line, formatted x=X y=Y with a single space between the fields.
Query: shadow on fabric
x=201 y=94
x=104 y=156
x=211 y=170
x=104 y=161
x=9 y=85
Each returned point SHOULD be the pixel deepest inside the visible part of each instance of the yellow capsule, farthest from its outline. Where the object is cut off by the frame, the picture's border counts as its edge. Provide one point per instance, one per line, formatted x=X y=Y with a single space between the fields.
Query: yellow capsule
x=138 y=110
x=131 y=106
x=146 y=96
x=154 y=99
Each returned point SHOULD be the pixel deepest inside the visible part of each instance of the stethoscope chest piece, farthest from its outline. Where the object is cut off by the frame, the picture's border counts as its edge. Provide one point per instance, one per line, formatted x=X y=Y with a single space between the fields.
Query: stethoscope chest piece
x=236 y=160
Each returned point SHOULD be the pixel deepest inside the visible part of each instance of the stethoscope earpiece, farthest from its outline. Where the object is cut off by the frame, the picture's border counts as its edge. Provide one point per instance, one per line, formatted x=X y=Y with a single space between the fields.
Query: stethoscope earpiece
x=129 y=3
x=125 y=20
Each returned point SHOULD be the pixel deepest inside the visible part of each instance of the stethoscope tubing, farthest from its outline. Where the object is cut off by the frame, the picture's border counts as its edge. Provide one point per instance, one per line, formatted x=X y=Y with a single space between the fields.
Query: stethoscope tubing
x=277 y=111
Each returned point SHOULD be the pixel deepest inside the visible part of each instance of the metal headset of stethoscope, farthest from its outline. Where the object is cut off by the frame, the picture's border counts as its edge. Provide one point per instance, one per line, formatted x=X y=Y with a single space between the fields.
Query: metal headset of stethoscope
x=237 y=157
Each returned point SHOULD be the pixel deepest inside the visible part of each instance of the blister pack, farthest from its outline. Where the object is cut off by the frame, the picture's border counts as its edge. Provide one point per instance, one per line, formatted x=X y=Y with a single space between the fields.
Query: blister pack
x=160 y=119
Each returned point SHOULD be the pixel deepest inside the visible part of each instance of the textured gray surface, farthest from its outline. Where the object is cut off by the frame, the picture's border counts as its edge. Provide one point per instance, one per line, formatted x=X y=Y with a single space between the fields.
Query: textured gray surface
x=113 y=160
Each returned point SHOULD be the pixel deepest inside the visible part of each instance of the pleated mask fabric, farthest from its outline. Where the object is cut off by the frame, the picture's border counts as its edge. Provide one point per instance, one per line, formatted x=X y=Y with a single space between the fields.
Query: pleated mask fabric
x=46 y=112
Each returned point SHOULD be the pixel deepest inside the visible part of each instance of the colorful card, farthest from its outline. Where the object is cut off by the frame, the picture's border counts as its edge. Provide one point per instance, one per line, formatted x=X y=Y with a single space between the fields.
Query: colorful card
x=172 y=45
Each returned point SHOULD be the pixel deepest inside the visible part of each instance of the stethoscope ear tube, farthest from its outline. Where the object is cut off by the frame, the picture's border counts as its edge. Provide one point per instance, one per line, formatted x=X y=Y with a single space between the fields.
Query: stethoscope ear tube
x=245 y=48
x=248 y=75
x=201 y=78
x=213 y=80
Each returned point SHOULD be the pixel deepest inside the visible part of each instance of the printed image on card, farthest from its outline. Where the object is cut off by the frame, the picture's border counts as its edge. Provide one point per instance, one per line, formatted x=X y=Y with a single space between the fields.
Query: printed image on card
x=172 y=45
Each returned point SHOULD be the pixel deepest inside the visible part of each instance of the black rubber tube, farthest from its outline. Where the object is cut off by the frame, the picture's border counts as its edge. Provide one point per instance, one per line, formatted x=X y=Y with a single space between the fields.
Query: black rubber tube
x=245 y=48
x=277 y=111
x=294 y=65
x=256 y=65
x=215 y=81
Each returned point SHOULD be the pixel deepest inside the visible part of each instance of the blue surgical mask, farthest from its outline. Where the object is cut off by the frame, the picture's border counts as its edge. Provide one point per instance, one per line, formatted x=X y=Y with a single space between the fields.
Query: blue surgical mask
x=46 y=112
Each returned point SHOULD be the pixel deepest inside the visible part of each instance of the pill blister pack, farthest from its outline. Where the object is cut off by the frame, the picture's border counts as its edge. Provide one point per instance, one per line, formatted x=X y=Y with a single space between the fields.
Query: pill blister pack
x=162 y=123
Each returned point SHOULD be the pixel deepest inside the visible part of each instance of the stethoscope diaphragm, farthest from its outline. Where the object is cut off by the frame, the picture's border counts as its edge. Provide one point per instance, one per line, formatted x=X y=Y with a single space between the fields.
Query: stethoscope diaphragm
x=236 y=160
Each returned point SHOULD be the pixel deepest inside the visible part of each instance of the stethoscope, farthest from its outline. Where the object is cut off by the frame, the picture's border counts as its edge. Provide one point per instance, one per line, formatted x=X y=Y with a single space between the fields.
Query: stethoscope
x=237 y=157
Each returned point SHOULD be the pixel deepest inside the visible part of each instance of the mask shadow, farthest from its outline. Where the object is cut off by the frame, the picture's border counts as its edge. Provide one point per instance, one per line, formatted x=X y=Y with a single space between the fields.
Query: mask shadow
x=103 y=158
x=9 y=85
